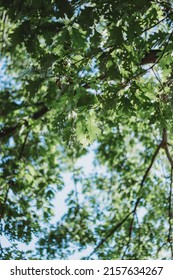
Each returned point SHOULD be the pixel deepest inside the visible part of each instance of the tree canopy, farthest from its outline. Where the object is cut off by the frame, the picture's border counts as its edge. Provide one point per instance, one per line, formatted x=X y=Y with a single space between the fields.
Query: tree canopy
x=76 y=73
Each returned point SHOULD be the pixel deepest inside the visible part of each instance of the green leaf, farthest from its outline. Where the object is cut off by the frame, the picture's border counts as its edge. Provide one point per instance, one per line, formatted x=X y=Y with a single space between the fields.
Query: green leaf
x=81 y=133
x=92 y=126
x=78 y=39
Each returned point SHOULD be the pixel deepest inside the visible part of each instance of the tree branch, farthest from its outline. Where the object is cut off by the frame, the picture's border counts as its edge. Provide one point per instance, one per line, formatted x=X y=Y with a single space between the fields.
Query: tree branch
x=130 y=236
x=124 y=85
x=117 y=226
x=7 y=131
x=23 y=146
x=40 y=113
x=169 y=156
x=158 y=22
x=162 y=144
x=114 y=229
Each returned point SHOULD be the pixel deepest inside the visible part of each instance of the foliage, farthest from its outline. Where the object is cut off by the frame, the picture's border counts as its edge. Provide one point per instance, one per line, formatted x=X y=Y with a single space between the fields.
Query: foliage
x=76 y=73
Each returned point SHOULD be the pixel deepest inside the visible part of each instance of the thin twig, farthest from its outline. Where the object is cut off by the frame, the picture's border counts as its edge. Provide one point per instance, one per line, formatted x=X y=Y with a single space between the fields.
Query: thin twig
x=158 y=79
x=160 y=248
x=157 y=23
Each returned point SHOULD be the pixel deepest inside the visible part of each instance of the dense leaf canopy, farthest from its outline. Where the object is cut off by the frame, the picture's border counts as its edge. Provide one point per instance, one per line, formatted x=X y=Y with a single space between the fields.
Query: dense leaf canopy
x=76 y=74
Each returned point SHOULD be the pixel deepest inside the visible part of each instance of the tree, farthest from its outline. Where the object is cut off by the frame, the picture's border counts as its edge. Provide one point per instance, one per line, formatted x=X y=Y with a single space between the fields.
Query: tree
x=76 y=73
